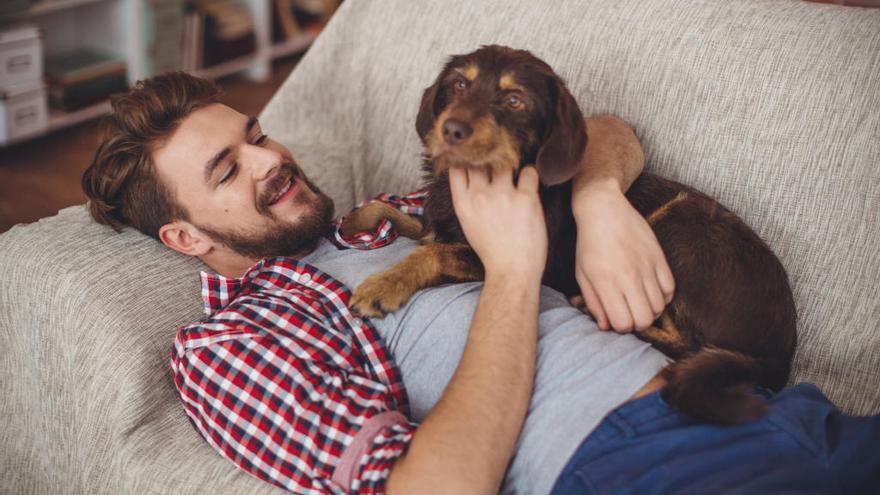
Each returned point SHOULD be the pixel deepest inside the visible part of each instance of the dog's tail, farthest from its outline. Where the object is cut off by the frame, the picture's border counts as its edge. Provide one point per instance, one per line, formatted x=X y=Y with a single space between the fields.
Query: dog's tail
x=716 y=386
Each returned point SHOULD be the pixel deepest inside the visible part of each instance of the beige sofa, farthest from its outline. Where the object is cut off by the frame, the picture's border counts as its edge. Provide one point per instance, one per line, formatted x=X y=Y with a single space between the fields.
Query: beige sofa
x=772 y=106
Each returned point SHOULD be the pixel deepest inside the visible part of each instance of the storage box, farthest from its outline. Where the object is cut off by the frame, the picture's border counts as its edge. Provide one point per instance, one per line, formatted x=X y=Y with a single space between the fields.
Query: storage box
x=21 y=56
x=23 y=112
x=13 y=7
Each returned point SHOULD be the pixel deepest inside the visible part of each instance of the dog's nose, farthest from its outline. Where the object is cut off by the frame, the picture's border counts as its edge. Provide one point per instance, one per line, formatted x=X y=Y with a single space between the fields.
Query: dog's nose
x=456 y=131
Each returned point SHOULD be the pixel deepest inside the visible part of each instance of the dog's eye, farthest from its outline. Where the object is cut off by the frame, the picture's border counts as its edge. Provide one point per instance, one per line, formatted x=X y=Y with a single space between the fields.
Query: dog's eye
x=460 y=84
x=513 y=101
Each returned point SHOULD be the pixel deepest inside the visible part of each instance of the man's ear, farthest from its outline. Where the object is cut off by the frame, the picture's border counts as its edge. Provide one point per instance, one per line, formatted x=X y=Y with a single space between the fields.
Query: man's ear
x=560 y=156
x=184 y=238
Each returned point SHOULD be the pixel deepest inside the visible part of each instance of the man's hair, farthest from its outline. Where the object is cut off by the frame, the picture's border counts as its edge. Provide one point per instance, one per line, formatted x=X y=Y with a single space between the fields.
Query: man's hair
x=122 y=184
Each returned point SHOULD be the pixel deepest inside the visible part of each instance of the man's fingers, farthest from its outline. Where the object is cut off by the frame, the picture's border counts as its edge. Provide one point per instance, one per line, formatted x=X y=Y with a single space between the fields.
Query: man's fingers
x=593 y=303
x=666 y=281
x=501 y=178
x=458 y=180
x=639 y=306
x=655 y=296
x=528 y=180
x=613 y=301
x=477 y=177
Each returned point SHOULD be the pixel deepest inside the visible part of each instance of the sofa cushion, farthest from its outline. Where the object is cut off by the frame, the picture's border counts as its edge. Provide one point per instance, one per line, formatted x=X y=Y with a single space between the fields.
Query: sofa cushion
x=87 y=318
x=773 y=107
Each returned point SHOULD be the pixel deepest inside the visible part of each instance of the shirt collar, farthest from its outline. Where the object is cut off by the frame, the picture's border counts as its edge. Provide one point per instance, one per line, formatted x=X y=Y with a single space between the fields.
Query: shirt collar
x=217 y=290
x=271 y=273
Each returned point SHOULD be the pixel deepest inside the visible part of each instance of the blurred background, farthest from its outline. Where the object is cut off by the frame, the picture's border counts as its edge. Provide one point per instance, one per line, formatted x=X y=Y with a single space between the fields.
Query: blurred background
x=61 y=59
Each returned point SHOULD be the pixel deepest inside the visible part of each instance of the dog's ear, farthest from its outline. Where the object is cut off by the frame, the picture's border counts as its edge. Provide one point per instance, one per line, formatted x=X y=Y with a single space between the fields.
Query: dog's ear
x=560 y=156
x=427 y=111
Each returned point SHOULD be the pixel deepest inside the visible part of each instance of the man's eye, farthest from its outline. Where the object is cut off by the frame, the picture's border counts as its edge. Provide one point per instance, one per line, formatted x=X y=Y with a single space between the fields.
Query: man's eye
x=260 y=140
x=229 y=173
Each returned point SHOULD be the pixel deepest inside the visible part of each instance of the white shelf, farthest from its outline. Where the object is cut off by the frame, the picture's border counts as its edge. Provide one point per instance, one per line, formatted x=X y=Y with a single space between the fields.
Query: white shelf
x=59 y=119
x=291 y=46
x=247 y=62
x=226 y=68
x=49 y=6
x=118 y=26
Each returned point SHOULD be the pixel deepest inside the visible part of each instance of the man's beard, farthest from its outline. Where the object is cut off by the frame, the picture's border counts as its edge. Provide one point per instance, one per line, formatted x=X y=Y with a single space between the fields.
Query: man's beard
x=283 y=238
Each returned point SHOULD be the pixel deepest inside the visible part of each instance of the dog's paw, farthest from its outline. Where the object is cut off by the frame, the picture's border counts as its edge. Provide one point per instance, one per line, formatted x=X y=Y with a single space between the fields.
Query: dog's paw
x=368 y=217
x=379 y=295
x=355 y=222
x=579 y=302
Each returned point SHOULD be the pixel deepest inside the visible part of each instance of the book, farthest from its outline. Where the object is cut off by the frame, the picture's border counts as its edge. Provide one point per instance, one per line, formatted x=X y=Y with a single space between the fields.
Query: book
x=162 y=31
x=227 y=31
x=81 y=65
x=82 y=77
x=75 y=96
x=228 y=19
x=193 y=40
x=285 y=25
x=84 y=64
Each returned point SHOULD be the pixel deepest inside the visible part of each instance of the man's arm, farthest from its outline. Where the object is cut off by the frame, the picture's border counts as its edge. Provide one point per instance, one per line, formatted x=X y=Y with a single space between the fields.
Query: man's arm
x=620 y=267
x=465 y=443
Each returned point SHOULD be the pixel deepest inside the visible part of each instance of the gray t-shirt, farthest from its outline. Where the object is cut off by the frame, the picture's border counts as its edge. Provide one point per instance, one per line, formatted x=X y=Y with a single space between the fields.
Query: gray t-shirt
x=582 y=372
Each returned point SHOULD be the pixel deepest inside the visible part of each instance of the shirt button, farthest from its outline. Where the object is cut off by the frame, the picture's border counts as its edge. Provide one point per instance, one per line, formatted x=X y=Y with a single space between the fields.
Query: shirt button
x=305 y=278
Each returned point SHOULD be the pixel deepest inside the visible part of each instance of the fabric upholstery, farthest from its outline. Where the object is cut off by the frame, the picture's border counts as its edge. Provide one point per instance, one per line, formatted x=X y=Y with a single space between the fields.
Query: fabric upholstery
x=771 y=106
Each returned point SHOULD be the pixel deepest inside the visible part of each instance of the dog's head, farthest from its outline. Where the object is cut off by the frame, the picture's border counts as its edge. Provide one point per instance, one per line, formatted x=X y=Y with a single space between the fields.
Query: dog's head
x=502 y=108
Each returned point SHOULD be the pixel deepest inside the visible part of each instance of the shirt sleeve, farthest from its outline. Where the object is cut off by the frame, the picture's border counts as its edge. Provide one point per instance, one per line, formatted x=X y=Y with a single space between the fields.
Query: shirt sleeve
x=283 y=413
x=412 y=204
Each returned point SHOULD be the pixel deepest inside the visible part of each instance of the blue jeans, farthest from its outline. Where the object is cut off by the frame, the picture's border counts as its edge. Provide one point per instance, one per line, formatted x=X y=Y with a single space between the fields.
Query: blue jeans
x=803 y=445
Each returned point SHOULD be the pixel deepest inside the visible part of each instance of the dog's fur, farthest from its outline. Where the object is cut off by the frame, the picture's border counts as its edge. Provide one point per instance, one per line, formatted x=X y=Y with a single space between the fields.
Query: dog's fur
x=731 y=323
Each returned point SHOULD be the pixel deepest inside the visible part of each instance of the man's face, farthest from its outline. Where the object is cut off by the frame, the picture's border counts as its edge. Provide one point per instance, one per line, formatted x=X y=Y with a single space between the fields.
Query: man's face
x=243 y=192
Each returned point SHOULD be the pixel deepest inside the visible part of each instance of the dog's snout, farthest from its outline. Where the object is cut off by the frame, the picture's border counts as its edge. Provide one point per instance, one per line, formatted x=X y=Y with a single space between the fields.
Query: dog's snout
x=456 y=131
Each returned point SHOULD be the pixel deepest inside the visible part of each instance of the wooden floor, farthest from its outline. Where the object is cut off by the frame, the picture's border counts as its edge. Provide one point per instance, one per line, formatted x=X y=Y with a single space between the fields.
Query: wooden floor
x=41 y=176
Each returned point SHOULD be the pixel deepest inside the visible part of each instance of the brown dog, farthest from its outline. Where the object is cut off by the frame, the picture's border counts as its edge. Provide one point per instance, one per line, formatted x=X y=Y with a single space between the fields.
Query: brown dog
x=731 y=324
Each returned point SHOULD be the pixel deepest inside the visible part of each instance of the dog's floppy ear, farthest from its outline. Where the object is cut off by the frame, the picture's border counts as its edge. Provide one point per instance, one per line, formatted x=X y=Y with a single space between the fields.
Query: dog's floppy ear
x=427 y=112
x=560 y=156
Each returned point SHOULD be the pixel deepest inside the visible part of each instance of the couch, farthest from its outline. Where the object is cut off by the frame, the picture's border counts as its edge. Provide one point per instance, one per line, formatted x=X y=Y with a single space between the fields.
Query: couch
x=772 y=106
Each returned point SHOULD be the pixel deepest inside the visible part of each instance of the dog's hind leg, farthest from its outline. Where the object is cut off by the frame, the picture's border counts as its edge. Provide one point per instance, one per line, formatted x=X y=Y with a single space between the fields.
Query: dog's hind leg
x=666 y=337
x=427 y=266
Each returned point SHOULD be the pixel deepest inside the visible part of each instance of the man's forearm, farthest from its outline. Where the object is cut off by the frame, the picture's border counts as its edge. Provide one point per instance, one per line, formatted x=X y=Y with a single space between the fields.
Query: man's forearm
x=465 y=443
x=619 y=264
x=613 y=158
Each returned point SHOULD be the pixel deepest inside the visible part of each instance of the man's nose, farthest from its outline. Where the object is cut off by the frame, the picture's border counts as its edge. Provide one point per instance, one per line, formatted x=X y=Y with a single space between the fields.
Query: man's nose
x=263 y=162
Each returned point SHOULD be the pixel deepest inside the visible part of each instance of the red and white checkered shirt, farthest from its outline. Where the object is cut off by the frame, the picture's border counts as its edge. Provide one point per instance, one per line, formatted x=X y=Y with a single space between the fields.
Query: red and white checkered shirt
x=283 y=380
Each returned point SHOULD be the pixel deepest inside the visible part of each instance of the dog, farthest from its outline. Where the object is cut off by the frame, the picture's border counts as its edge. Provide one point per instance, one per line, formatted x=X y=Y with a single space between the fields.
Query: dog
x=731 y=323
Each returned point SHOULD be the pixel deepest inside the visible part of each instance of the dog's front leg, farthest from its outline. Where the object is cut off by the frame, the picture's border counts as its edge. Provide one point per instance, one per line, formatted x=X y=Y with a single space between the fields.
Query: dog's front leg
x=367 y=218
x=428 y=265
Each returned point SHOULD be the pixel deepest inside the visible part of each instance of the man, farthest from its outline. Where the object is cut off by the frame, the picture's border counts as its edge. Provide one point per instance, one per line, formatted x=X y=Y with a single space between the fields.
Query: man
x=468 y=385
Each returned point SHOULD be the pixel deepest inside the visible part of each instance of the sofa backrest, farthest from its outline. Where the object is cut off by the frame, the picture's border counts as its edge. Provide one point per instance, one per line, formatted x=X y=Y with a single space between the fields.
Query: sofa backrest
x=773 y=107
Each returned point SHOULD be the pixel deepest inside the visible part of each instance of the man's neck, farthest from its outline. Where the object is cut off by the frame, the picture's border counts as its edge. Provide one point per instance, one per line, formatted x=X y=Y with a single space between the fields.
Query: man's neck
x=234 y=265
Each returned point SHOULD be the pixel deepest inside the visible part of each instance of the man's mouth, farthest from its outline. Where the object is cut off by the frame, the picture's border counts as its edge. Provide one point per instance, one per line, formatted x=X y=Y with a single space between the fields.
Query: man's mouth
x=286 y=192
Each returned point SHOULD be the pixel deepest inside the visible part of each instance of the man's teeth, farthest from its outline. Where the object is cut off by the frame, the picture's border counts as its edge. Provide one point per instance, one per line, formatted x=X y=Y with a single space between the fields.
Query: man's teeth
x=282 y=191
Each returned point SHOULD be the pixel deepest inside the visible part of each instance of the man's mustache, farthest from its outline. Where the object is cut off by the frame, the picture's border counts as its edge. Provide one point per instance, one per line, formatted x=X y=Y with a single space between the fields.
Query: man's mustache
x=286 y=171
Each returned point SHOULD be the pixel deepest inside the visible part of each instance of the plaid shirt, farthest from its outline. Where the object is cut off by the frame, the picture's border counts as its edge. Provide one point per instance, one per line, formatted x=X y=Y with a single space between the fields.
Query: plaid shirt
x=283 y=380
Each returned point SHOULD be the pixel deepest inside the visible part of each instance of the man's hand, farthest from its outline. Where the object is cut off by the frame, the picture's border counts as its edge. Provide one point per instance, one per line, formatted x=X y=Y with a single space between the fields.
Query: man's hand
x=503 y=222
x=466 y=442
x=620 y=268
